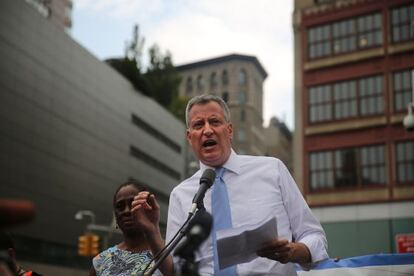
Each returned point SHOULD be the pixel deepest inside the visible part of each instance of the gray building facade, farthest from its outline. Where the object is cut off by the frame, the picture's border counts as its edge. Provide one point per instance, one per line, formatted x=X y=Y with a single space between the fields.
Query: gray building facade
x=278 y=139
x=72 y=130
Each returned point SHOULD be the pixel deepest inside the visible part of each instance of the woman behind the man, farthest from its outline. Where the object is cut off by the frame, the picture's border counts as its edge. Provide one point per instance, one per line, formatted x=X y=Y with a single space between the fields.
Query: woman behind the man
x=137 y=214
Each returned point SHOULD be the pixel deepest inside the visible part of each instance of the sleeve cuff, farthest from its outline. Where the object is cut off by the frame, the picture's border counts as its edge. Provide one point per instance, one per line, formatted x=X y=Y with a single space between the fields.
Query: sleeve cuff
x=317 y=249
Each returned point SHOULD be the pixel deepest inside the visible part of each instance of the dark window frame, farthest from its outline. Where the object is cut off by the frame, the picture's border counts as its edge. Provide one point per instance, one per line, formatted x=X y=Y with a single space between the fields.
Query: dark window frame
x=189 y=85
x=243 y=77
x=398 y=24
x=225 y=96
x=349 y=174
x=402 y=92
x=242 y=115
x=153 y=162
x=155 y=133
x=406 y=162
x=200 y=82
x=322 y=41
x=213 y=80
x=224 y=77
x=325 y=103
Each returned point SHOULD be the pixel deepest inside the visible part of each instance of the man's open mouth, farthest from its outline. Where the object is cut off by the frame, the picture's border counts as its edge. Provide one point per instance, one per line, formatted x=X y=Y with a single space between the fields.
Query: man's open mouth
x=209 y=143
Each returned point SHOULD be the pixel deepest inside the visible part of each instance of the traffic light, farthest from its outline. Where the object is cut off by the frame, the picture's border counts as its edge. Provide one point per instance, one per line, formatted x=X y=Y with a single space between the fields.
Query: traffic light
x=83 y=245
x=88 y=245
x=94 y=240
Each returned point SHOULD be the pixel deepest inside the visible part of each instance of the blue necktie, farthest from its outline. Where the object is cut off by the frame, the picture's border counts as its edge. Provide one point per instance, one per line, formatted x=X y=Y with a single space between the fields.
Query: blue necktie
x=221 y=218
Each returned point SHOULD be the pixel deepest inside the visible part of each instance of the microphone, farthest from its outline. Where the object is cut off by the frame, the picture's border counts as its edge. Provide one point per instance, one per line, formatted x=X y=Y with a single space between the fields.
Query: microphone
x=200 y=227
x=206 y=180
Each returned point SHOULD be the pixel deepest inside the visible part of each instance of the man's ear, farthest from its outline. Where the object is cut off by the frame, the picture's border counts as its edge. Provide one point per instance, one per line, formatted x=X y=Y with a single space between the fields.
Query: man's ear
x=230 y=130
x=188 y=134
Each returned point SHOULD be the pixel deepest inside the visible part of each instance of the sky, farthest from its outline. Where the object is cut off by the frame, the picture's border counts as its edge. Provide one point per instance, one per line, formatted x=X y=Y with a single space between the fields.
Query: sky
x=194 y=30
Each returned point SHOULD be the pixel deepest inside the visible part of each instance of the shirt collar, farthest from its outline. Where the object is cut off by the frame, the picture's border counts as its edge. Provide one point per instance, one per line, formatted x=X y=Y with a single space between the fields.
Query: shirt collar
x=232 y=164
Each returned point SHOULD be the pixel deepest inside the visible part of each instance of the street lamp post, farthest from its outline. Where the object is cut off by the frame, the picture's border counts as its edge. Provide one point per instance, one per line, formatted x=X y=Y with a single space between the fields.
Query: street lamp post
x=93 y=227
x=82 y=213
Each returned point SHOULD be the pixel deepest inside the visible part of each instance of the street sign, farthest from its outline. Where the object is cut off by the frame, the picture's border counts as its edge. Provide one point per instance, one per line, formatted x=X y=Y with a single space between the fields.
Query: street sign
x=405 y=243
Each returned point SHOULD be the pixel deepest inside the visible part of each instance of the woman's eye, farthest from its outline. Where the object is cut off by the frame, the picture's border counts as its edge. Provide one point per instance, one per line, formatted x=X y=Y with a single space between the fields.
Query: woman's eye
x=119 y=207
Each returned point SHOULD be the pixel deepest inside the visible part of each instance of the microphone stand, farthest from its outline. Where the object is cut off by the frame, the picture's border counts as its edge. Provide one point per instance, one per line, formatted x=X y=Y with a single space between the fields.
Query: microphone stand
x=188 y=266
x=174 y=244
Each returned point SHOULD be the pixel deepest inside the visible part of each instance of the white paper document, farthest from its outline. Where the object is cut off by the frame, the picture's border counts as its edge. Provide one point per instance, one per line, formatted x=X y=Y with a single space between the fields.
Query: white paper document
x=239 y=245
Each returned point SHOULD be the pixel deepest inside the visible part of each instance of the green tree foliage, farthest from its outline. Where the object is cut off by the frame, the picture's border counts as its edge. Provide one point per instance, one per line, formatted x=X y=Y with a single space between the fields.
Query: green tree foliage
x=130 y=70
x=177 y=107
x=160 y=80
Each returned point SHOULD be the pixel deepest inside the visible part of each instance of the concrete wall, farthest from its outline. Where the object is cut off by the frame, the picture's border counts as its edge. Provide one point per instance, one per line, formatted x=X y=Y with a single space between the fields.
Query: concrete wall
x=66 y=132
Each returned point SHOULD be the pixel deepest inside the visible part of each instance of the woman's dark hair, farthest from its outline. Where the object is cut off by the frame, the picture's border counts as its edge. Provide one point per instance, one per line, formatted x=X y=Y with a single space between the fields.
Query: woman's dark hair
x=131 y=182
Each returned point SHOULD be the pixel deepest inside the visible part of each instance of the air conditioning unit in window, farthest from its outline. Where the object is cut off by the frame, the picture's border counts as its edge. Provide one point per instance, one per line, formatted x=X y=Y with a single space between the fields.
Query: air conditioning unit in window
x=409 y=119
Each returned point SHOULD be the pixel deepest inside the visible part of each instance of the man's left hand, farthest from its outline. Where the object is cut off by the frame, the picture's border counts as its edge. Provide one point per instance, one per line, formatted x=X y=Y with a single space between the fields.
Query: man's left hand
x=283 y=251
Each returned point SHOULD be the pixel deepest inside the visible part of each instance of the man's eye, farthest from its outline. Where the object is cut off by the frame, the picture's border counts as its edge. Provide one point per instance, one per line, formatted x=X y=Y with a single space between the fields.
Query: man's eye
x=215 y=122
x=197 y=125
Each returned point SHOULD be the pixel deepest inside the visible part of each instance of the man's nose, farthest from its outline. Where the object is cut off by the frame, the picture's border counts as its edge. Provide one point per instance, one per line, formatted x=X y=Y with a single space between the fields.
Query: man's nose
x=208 y=129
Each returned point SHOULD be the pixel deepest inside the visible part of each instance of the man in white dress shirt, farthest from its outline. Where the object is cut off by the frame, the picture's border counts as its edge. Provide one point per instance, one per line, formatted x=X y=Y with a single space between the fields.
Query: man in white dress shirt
x=258 y=188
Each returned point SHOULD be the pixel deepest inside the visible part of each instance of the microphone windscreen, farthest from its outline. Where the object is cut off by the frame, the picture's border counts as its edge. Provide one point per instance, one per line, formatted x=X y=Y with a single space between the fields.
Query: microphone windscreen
x=14 y=212
x=208 y=177
x=204 y=220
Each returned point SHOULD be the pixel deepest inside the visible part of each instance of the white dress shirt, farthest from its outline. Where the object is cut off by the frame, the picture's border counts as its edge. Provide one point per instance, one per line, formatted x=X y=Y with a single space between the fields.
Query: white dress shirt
x=258 y=188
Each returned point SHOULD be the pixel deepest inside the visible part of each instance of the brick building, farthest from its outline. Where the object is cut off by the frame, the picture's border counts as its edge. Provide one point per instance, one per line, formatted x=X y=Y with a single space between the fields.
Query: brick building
x=354 y=158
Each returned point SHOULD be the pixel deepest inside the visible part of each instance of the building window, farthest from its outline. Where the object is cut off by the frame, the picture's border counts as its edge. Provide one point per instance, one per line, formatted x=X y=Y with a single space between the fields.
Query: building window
x=156 y=164
x=242 y=97
x=347 y=99
x=319 y=42
x=345 y=36
x=213 y=80
x=371 y=96
x=351 y=167
x=241 y=135
x=225 y=77
x=405 y=162
x=242 y=77
x=242 y=115
x=321 y=170
x=155 y=133
x=345 y=102
x=373 y=165
x=369 y=31
x=402 y=85
x=189 y=85
x=225 y=96
x=402 y=23
x=200 y=82
x=320 y=103
x=345 y=169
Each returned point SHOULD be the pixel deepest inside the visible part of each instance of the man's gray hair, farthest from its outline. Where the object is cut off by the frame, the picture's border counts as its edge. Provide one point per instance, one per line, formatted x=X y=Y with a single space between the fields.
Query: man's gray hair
x=203 y=99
